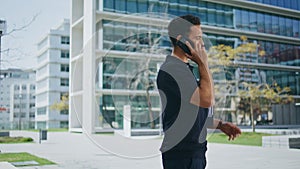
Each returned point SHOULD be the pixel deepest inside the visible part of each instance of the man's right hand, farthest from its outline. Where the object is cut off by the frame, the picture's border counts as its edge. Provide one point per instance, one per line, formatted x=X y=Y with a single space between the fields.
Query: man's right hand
x=199 y=55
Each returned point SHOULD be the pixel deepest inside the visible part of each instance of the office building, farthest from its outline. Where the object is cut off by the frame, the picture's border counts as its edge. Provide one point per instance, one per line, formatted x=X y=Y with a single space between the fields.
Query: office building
x=118 y=45
x=17 y=99
x=52 y=76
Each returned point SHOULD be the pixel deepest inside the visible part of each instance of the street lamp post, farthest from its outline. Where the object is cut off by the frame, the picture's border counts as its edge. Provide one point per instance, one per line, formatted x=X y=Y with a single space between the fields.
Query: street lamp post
x=19 y=124
x=2 y=32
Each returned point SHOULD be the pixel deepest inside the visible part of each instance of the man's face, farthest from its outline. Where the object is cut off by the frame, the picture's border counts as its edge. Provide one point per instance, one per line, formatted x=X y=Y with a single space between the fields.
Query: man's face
x=196 y=34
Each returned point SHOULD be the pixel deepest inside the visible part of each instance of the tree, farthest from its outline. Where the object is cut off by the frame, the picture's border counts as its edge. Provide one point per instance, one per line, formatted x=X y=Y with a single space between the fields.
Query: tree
x=10 y=55
x=62 y=105
x=251 y=95
x=257 y=95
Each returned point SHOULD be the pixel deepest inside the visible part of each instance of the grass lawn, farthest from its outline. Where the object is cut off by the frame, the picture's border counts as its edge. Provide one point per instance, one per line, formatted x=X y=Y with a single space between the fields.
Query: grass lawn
x=51 y=130
x=18 y=157
x=5 y=140
x=247 y=138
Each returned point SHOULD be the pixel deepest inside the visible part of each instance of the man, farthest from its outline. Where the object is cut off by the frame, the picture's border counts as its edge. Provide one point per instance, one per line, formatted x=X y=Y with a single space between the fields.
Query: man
x=186 y=102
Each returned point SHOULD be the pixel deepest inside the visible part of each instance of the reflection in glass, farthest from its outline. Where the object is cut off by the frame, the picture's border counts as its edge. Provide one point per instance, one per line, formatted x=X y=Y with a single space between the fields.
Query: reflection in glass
x=253 y=21
x=238 y=19
x=108 y=5
x=295 y=28
x=220 y=18
x=287 y=3
x=245 y=20
x=211 y=16
x=260 y=23
x=289 y=27
x=268 y=24
x=173 y=9
x=282 y=28
x=202 y=13
x=131 y=6
x=120 y=6
x=142 y=6
x=275 y=25
x=229 y=19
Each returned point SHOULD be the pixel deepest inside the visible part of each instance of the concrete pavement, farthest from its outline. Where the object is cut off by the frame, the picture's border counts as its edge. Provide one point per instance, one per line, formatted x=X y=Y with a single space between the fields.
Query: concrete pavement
x=80 y=151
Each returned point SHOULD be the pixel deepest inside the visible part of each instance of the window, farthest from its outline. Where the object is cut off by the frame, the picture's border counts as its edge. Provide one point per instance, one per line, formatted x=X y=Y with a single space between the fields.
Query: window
x=16 y=87
x=41 y=111
x=245 y=20
x=280 y=3
x=202 y=4
x=268 y=22
x=23 y=87
x=31 y=105
x=282 y=26
x=274 y=2
x=289 y=27
x=32 y=87
x=32 y=115
x=275 y=22
x=238 y=19
x=132 y=6
x=23 y=106
x=64 y=54
x=108 y=5
x=296 y=28
x=64 y=82
x=64 y=112
x=32 y=96
x=173 y=8
x=253 y=21
x=142 y=6
x=64 y=124
x=294 y=4
x=229 y=19
x=193 y=3
x=63 y=94
x=41 y=125
x=202 y=13
x=182 y=9
x=211 y=16
x=287 y=3
x=120 y=6
x=16 y=106
x=220 y=18
x=260 y=23
x=64 y=68
x=268 y=1
x=65 y=40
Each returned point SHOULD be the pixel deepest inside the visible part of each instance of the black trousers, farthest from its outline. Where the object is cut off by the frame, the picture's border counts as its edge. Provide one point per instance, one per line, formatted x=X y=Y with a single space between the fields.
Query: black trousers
x=189 y=163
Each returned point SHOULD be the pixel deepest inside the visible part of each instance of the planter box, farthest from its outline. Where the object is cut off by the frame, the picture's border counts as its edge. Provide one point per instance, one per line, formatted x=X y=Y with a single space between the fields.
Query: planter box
x=4 y=133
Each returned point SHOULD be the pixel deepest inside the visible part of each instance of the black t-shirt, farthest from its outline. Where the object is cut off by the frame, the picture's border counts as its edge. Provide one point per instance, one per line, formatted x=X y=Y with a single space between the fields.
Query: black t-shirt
x=183 y=123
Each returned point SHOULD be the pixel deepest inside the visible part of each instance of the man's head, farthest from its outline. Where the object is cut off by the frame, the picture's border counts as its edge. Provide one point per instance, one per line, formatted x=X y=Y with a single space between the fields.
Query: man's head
x=183 y=26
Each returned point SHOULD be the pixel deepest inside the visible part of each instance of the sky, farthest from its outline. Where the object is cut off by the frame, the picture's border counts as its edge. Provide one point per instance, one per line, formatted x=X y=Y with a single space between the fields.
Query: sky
x=19 y=48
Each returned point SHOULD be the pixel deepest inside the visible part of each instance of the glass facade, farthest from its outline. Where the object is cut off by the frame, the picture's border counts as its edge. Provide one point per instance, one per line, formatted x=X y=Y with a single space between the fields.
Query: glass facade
x=290 y=4
x=137 y=74
x=213 y=14
x=210 y=13
x=134 y=37
x=266 y=23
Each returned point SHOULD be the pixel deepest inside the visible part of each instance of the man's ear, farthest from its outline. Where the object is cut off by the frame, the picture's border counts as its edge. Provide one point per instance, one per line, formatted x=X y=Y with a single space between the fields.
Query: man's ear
x=178 y=37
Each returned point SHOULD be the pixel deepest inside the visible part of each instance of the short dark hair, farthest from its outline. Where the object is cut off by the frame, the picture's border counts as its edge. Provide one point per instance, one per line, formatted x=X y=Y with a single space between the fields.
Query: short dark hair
x=181 y=26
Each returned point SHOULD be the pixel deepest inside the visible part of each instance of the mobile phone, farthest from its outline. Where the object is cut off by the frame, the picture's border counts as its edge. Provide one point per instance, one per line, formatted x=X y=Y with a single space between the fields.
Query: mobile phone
x=183 y=46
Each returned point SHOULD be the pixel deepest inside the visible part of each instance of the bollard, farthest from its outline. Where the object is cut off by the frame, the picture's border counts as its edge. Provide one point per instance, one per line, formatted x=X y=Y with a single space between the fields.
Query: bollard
x=43 y=135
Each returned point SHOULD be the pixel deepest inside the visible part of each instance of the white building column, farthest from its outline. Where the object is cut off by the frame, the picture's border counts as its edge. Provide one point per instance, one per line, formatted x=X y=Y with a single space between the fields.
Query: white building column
x=89 y=65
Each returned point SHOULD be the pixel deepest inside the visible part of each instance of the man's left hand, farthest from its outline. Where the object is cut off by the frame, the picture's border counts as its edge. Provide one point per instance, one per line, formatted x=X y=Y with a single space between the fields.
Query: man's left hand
x=231 y=130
